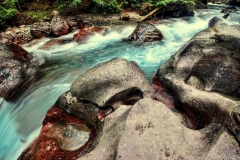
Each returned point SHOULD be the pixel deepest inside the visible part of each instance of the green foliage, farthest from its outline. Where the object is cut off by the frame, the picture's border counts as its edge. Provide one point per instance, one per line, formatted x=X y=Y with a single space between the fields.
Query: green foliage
x=106 y=6
x=133 y=3
x=7 y=10
x=166 y=2
x=191 y=2
x=155 y=3
x=38 y=15
x=6 y=13
x=68 y=4
x=162 y=3
x=113 y=6
x=8 y=4
x=158 y=3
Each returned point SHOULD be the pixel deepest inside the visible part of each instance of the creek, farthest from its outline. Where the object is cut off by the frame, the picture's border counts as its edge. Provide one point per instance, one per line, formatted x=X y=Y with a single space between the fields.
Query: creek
x=21 y=118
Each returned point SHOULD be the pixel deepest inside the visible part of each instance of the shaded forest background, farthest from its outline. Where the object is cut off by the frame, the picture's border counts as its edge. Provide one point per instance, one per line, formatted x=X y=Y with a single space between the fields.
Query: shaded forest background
x=37 y=10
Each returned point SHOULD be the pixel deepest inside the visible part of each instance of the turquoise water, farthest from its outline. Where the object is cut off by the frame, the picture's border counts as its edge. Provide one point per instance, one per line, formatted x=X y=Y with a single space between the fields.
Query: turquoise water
x=21 y=118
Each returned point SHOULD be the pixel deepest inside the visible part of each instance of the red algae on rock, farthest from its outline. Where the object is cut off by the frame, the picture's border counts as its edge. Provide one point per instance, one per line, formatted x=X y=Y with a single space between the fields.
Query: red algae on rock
x=162 y=95
x=84 y=32
x=46 y=145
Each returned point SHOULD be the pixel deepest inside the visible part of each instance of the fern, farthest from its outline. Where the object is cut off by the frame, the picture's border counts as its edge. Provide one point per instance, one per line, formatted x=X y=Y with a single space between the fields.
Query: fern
x=158 y=3
x=188 y=2
x=7 y=10
x=106 y=6
x=161 y=3
x=68 y=3
x=6 y=14
x=100 y=3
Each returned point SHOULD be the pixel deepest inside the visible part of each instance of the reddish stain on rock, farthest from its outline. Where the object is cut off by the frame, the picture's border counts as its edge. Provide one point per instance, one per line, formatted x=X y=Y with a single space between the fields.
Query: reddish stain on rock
x=45 y=147
x=84 y=32
x=162 y=95
x=19 y=53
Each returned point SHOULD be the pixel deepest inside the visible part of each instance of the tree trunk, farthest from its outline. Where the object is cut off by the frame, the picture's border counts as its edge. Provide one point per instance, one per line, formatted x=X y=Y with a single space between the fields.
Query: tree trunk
x=18 y=6
x=150 y=14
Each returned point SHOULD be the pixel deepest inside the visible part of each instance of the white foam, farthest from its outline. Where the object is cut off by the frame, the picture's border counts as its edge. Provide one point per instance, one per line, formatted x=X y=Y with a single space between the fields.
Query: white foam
x=65 y=48
x=35 y=44
x=100 y=40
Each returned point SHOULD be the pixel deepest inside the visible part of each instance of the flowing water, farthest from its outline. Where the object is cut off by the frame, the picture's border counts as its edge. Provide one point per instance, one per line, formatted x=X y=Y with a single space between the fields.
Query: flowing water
x=21 y=118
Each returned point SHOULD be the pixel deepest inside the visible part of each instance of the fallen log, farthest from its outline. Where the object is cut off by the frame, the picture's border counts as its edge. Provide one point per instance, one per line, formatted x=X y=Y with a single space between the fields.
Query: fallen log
x=150 y=14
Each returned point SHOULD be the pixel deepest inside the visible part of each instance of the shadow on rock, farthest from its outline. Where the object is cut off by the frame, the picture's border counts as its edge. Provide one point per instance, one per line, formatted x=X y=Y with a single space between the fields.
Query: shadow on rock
x=203 y=76
x=82 y=118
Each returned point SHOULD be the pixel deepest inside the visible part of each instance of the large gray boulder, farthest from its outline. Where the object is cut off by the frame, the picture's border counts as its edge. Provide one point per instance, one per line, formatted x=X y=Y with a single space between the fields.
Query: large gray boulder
x=204 y=78
x=153 y=131
x=150 y=130
x=112 y=83
x=114 y=126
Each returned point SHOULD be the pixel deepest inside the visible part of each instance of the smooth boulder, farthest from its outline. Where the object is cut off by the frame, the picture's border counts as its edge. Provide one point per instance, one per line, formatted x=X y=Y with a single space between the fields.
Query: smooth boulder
x=203 y=76
x=153 y=131
x=112 y=83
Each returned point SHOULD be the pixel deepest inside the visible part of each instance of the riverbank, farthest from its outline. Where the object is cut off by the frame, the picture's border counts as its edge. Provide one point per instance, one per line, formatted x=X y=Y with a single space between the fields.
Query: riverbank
x=25 y=13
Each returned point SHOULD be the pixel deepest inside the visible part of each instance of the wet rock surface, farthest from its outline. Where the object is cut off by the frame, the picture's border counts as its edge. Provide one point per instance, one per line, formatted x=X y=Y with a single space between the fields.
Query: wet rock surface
x=14 y=69
x=228 y=10
x=145 y=32
x=61 y=137
x=214 y=21
x=83 y=33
